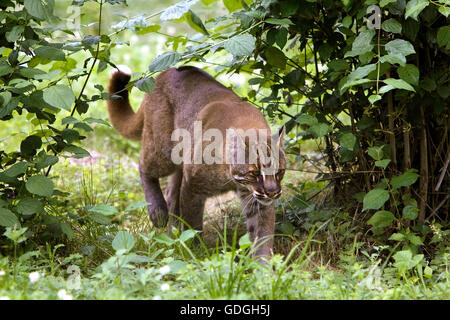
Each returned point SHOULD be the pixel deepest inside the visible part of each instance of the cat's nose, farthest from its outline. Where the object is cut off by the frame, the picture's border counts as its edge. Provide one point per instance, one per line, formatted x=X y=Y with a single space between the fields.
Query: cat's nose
x=274 y=194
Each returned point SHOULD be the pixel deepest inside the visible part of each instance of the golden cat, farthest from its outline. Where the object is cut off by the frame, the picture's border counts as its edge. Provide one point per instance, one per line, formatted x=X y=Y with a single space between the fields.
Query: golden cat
x=182 y=99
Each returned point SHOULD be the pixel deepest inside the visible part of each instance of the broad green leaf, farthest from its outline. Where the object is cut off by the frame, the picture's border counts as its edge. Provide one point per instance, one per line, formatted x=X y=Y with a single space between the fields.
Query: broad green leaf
x=242 y=45
x=195 y=22
x=394 y=58
x=374 y=98
x=443 y=36
x=50 y=53
x=177 y=10
x=339 y=65
x=384 y=3
x=76 y=152
x=399 y=84
x=164 y=61
x=100 y=218
x=14 y=34
x=40 y=185
x=187 y=235
x=307 y=119
x=361 y=72
x=348 y=141
x=375 y=199
x=400 y=47
x=444 y=10
x=319 y=129
x=275 y=57
x=59 y=96
x=409 y=73
x=397 y=237
x=8 y=218
x=406 y=179
x=29 y=145
x=392 y=25
x=146 y=85
x=17 y=169
x=104 y=209
x=410 y=212
x=362 y=43
x=415 y=7
x=5 y=69
x=136 y=205
x=67 y=229
x=123 y=241
x=283 y=22
x=233 y=5
x=376 y=152
x=41 y=9
x=148 y=29
x=30 y=206
x=382 y=163
x=164 y=239
x=244 y=242
x=381 y=219
x=5 y=98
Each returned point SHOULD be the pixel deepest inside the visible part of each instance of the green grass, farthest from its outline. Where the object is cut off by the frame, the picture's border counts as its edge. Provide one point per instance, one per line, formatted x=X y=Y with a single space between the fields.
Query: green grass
x=140 y=262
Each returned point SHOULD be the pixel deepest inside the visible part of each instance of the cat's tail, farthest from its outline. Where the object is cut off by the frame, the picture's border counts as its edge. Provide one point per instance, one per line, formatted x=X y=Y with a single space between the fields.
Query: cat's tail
x=128 y=123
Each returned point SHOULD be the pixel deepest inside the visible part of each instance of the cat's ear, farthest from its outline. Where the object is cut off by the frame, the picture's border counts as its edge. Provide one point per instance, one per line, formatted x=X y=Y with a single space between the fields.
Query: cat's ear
x=280 y=137
x=235 y=146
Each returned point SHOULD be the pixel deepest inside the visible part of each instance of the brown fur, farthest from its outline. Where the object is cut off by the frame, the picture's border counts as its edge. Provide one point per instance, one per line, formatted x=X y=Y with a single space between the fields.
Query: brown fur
x=182 y=96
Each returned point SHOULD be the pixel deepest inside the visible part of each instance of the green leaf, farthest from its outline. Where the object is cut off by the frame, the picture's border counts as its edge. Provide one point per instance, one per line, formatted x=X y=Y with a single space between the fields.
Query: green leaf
x=164 y=61
x=444 y=10
x=30 y=206
x=361 y=44
x=100 y=218
x=41 y=9
x=392 y=25
x=17 y=169
x=384 y=3
x=40 y=185
x=123 y=241
x=415 y=7
x=241 y=45
x=104 y=209
x=405 y=179
x=376 y=152
x=282 y=22
x=443 y=36
x=409 y=73
x=136 y=205
x=399 y=84
x=381 y=219
x=187 y=235
x=148 y=29
x=233 y=5
x=375 y=199
x=29 y=146
x=348 y=141
x=50 y=53
x=5 y=97
x=275 y=57
x=67 y=229
x=146 y=85
x=59 y=96
x=164 y=239
x=319 y=129
x=382 y=163
x=307 y=119
x=394 y=58
x=7 y=218
x=410 y=212
x=400 y=47
x=374 y=98
x=14 y=34
x=244 y=242
x=177 y=10
x=76 y=152
x=196 y=23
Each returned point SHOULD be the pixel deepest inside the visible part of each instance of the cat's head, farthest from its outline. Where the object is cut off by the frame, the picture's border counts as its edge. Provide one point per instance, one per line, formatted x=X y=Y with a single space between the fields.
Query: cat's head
x=257 y=164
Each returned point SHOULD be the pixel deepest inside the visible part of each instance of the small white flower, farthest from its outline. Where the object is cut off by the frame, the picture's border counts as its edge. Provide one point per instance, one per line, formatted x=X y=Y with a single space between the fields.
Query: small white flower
x=164 y=270
x=62 y=294
x=34 y=277
x=165 y=287
x=2 y=273
x=4 y=298
x=156 y=298
x=379 y=289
